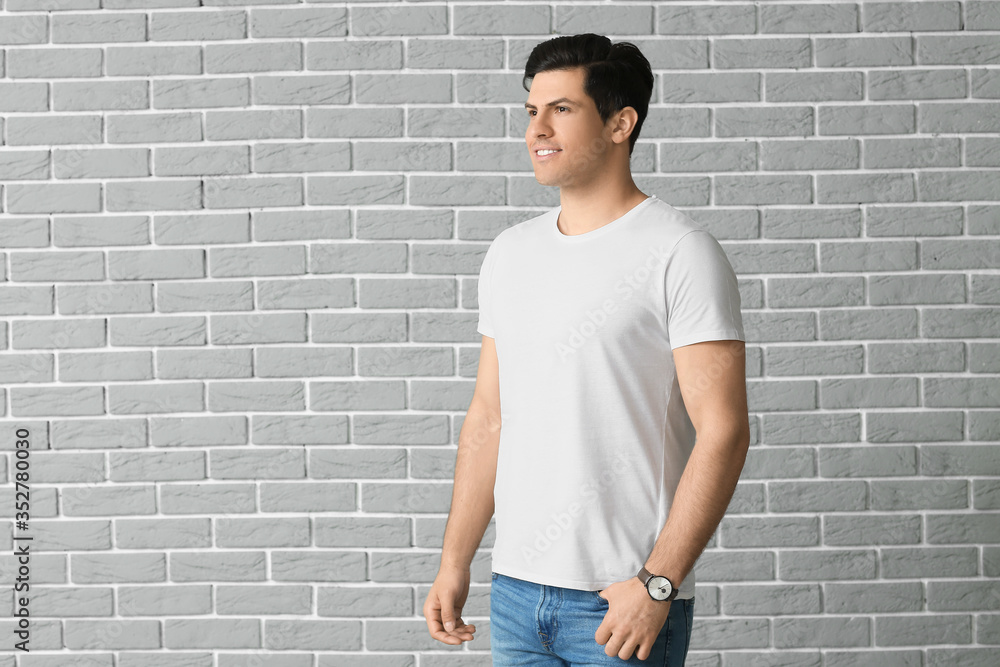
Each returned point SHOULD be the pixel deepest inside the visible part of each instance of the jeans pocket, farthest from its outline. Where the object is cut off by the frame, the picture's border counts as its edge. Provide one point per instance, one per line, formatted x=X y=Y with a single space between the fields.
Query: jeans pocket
x=601 y=600
x=493 y=576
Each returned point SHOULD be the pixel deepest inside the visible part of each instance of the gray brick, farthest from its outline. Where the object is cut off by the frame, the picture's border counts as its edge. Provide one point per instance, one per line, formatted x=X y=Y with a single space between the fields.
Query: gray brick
x=258 y=328
x=970 y=657
x=803 y=223
x=868 y=392
x=959 y=254
x=866 y=51
x=205 y=498
x=964 y=392
x=298 y=22
x=986 y=494
x=107 y=365
x=813 y=86
x=867 y=119
x=56 y=401
x=771 y=600
x=23 y=232
x=211 y=363
x=963 y=529
x=172 y=297
x=796 y=429
x=810 y=632
x=919 y=84
x=263 y=600
x=163 y=533
x=266 y=463
x=913 y=221
x=258 y=396
x=156 y=466
x=817 y=496
x=912 y=562
x=863 y=189
x=898 y=290
x=868 y=323
x=98 y=433
x=312 y=566
x=731 y=633
x=919 y=494
x=202 y=91
x=217 y=566
x=307 y=497
x=182 y=633
x=250 y=532
x=905 y=152
x=822 y=360
x=956 y=49
x=923 y=630
x=109 y=500
x=118 y=568
x=833 y=564
x=194 y=431
x=357 y=462
x=982 y=152
x=107 y=635
x=164 y=600
x=221 y=228
x=139 y=398
x=362 y=531
x=865 y=462
x=70 y=535
x=910 y=17
x=860 y=530
x=705 y=19
x=768 y=463
x=808 y=18
x=809 y=292
x=873 y=598
x=915 y=357
x=774 y=121
x=739 y=532
x=914 y=427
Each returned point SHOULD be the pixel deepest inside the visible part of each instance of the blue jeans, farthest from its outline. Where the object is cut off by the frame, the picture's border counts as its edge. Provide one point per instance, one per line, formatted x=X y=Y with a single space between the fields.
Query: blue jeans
x=549 y=626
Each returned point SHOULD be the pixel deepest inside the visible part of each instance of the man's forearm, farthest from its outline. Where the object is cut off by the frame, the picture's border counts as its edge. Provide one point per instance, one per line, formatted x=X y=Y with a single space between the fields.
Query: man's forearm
x=701 y=499
x=472 y=503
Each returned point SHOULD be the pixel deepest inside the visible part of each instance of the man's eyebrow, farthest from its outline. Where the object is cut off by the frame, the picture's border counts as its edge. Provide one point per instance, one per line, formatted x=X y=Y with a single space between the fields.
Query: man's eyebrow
x=553 y=103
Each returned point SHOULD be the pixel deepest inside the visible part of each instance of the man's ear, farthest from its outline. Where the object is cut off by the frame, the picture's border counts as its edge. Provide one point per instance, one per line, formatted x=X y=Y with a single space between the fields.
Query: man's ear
x=624 y=123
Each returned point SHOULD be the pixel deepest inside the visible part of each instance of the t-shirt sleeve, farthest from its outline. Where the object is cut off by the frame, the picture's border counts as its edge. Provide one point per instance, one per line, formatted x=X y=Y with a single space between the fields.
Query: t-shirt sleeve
x=486 y=293
x=703 y=299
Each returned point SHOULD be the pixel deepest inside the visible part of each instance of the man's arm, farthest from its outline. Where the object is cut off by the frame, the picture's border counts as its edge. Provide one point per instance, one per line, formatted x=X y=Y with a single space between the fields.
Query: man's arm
x=472 y=504
x=712 y=379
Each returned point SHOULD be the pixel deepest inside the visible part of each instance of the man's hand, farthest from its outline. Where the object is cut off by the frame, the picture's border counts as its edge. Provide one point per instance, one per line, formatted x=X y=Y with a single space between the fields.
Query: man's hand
x=633 y=621
x=443 y=607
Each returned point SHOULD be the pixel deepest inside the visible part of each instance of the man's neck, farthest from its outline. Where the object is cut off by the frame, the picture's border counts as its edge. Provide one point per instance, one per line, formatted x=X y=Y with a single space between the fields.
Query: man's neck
x=584 y=212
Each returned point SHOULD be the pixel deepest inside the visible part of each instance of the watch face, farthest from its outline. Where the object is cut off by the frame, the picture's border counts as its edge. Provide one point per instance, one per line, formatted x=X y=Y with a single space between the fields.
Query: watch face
x=659 y=588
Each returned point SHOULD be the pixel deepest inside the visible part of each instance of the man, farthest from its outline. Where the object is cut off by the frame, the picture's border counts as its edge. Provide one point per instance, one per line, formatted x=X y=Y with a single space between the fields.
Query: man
x=608 y=425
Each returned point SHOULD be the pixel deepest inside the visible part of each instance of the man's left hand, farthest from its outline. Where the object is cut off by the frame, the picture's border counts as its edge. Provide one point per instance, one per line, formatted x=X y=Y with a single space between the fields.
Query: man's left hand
x=633 y=621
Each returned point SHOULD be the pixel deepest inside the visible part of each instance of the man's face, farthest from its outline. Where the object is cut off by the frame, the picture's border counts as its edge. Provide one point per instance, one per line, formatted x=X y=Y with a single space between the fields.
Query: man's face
x=571 y=124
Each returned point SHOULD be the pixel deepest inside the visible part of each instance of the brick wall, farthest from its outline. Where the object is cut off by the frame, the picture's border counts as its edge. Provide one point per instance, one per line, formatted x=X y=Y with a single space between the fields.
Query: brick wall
x=240 y=243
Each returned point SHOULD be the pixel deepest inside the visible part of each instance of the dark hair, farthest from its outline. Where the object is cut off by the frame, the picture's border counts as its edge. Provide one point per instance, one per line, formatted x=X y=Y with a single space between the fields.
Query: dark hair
x=617 y=75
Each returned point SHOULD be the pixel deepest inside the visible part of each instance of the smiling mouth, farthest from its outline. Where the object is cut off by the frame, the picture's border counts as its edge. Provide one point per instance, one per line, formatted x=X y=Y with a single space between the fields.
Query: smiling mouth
x=542 y=156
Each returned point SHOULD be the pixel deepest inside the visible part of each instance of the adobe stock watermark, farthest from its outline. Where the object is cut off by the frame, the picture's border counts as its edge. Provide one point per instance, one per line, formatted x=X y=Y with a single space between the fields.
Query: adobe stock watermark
x=563 y=519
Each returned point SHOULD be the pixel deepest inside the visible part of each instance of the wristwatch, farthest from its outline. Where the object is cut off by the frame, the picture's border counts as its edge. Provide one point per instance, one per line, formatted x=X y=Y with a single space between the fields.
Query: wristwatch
x=659 y=587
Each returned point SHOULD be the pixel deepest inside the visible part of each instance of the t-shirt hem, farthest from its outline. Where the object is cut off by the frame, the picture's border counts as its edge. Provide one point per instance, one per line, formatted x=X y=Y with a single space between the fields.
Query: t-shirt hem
x=719 y=334
x=569 y=583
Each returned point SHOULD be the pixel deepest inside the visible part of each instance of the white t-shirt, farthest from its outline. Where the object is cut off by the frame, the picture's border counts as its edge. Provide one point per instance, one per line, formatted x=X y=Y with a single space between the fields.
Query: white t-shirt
x=594 y=433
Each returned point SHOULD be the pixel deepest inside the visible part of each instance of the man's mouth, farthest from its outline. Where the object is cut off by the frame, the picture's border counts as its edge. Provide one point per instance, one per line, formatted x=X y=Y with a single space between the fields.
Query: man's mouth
x=545 y=153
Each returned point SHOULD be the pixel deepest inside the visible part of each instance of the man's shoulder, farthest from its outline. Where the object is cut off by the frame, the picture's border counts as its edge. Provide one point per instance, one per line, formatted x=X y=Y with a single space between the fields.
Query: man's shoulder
x=523 y=231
